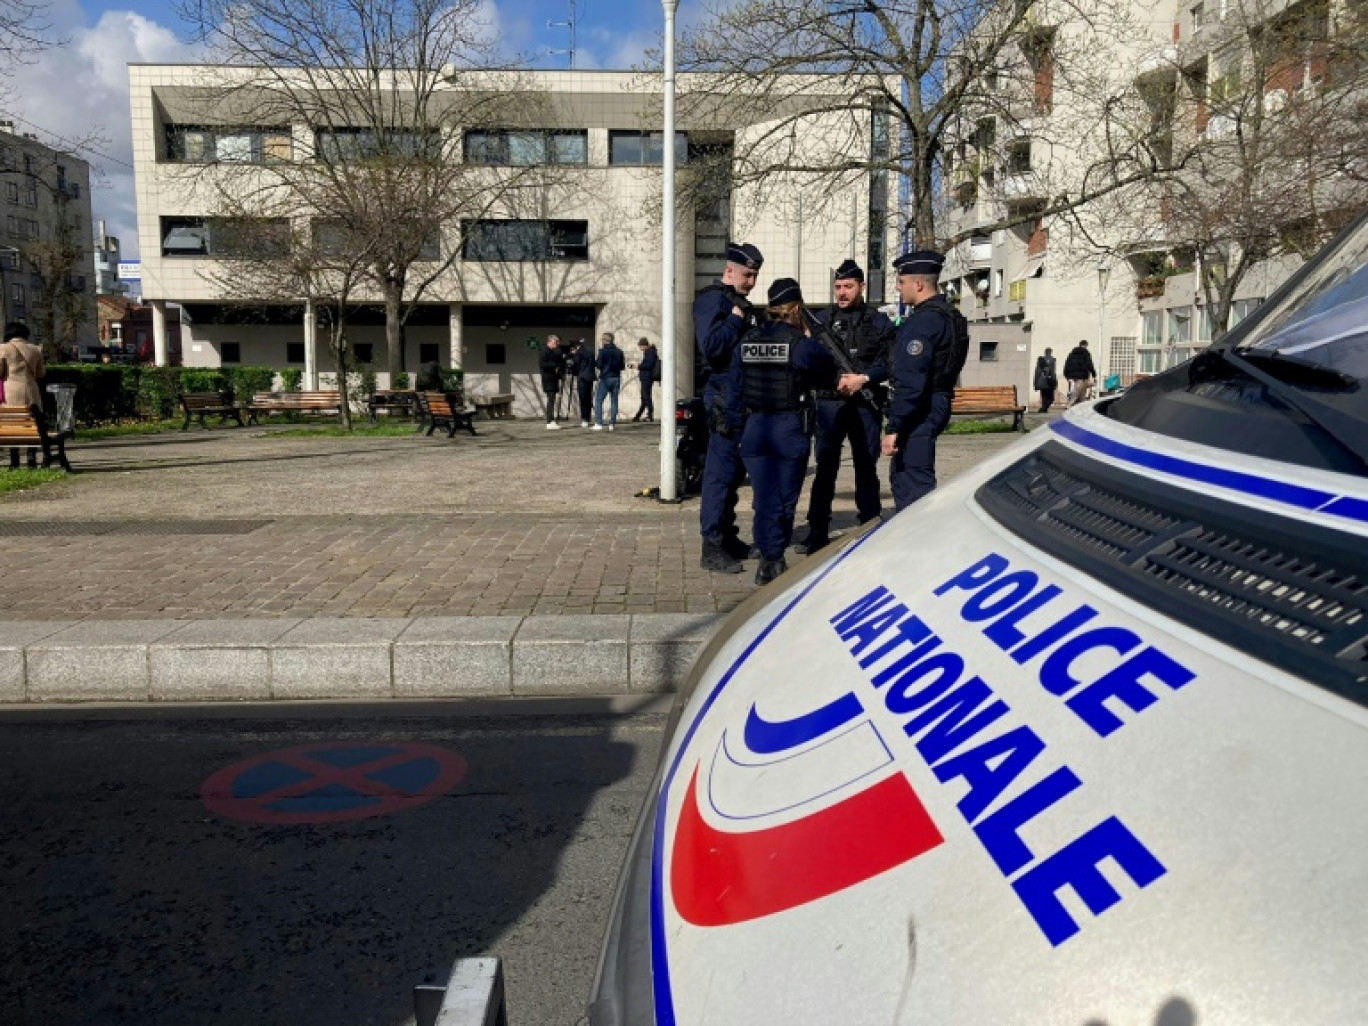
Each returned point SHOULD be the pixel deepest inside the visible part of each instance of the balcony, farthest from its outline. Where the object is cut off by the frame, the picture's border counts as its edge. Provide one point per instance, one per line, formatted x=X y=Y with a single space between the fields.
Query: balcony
x=980 y=252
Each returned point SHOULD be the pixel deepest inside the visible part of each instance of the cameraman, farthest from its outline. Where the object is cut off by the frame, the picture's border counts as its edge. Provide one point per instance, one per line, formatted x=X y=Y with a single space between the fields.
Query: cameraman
x=722 y=315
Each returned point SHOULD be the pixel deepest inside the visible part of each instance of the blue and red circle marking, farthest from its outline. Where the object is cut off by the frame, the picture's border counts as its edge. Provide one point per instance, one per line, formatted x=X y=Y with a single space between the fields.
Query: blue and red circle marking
x=333 y=782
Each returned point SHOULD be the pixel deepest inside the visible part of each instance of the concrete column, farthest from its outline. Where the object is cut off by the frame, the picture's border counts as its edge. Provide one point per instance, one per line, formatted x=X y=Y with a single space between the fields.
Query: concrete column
x=159 y=332
x=457 y=341
x=310 y=346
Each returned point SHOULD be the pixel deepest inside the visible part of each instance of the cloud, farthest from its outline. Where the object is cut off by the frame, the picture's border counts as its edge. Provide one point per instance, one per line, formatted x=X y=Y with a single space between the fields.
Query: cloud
x=614 y=50
x=79 y=93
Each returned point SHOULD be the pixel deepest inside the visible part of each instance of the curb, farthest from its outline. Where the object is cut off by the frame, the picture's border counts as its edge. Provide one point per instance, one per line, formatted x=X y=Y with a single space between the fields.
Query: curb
x=348 y=658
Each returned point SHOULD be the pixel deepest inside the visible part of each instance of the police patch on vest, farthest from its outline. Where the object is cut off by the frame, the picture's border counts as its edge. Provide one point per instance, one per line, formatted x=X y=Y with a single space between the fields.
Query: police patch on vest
x=764 y=352
x=916 y=347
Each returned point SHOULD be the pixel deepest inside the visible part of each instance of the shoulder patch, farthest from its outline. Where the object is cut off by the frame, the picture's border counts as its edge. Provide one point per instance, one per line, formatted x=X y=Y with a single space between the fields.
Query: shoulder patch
x=916 y=347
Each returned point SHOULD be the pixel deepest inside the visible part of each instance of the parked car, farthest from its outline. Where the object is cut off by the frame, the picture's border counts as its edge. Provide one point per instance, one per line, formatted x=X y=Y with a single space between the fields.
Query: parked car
x=1077 y=739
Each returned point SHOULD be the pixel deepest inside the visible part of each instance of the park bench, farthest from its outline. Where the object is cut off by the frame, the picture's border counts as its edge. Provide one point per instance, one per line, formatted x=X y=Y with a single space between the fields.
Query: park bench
x=198 y=405
x=394 y=400
x=445 y=409
x=325 y=403
x=985 y=400
x=27 y=428
x=495 y=407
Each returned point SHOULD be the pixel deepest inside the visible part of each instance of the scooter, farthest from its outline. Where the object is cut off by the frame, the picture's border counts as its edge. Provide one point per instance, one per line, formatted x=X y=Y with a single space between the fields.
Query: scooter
x=691 y=444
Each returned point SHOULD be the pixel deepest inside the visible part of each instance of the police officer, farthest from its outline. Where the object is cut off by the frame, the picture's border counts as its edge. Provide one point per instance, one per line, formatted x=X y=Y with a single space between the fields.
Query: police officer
x=923 y=378
x=780 y=364
x=865 y=334
x=721 y=316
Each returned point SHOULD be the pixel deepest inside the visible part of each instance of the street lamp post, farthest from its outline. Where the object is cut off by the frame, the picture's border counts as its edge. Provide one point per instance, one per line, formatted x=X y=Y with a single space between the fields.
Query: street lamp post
x=1103 y=269
x=668 y=385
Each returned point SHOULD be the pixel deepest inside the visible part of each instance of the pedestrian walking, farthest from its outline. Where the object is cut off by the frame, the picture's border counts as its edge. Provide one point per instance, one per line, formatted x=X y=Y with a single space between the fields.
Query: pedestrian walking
x=647 y=372
x=924 y=369
x=780 y=366
x=21 y=368
x=1046 y=379
x=865 y=335
x=585 y=375
x=552 y=366
x=722 y=314
x=1079 y=372
x=610 y=364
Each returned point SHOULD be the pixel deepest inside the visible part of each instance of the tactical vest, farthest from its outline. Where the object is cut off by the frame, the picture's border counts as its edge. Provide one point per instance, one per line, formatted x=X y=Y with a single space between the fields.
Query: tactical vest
x=858 y=335
x=769 y=381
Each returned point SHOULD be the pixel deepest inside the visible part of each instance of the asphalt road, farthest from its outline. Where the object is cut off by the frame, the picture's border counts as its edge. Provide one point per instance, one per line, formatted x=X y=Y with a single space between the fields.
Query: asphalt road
x=133 y=893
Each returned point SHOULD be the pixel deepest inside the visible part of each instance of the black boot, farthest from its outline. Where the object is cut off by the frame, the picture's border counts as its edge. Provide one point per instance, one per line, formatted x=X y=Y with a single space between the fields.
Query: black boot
x=737 y=549
x=715 y=559
x=769 y=569
x=815 y=540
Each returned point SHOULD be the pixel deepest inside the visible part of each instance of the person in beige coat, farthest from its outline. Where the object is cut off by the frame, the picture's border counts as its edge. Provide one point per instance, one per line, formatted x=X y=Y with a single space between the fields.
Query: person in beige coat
x=21 y=365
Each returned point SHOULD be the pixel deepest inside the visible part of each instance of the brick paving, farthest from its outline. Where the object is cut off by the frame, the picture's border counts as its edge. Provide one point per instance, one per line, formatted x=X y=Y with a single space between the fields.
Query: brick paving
x=517 y=521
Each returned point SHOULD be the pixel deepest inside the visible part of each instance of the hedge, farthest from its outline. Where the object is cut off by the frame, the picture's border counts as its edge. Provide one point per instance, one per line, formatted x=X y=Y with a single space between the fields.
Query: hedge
x=112 y=392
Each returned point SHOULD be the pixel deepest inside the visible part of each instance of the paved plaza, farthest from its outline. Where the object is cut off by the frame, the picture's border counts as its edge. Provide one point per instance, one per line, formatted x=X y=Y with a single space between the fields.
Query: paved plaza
x=242 y=523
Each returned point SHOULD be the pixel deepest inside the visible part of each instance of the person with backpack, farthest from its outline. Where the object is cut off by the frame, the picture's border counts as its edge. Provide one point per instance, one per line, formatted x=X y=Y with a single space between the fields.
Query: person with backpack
x=928 y=354
x=1046 y=380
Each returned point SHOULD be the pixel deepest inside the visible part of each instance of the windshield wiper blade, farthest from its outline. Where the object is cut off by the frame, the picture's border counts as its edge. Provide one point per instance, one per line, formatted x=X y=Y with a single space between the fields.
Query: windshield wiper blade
x=1349 y=431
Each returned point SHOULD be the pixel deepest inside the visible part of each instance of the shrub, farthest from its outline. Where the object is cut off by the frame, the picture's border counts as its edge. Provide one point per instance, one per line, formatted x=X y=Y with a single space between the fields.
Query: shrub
x=202 y=379
x=453 y=380
x=244 y=381
x=401 y=380
x=158 y=390
x=101 y=394
x=291 y=378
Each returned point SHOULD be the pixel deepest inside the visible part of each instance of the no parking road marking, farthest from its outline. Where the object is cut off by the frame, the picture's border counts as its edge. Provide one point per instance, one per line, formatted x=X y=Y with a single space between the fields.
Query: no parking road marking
x=333 y=782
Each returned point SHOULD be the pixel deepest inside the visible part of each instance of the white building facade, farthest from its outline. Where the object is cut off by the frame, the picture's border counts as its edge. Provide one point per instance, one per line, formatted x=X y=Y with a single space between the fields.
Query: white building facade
x=590 y=263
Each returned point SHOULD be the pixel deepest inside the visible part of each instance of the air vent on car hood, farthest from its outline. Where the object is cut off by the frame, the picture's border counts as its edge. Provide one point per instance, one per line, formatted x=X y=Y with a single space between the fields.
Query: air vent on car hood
x=1289 y=593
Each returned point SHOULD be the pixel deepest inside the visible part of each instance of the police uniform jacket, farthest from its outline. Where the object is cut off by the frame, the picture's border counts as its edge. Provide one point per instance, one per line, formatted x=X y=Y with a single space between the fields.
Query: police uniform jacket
x=866 y=335
x=779 y=366
x=717 y=333
x=923 y=351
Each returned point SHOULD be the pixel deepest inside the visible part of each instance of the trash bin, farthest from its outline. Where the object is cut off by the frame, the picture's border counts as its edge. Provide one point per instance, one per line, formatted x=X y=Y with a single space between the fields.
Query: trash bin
x=64 y=408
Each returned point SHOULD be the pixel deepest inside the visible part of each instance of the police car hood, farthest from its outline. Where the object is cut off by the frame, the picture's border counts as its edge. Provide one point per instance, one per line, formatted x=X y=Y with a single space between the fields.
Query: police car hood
x=948 y=778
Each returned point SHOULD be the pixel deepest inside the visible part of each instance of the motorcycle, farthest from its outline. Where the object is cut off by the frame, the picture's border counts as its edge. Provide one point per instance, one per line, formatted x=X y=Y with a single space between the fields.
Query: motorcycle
x=691 y=444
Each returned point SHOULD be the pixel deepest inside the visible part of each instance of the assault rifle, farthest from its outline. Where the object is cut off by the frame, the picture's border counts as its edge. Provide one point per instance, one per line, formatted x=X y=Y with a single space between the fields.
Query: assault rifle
x=823 y=333
x=751 y=312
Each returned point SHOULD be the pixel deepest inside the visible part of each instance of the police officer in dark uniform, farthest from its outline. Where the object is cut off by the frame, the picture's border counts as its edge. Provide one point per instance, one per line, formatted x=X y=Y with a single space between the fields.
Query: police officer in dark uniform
x=865 y=334
x=923 y=378
x=722 y=315
x=780 y=365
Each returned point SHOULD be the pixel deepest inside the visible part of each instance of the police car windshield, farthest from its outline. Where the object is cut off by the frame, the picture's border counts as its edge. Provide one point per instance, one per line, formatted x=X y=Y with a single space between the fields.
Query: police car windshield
x=1324 y=319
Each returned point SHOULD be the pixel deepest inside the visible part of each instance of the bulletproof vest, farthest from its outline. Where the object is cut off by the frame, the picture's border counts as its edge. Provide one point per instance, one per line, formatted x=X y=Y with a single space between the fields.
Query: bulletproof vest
x=950 y=358
x=769 y=381
x=859 y=337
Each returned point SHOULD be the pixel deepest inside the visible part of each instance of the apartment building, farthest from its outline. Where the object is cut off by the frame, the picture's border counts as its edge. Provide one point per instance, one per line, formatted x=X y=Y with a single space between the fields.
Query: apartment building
x=1126 y=273
x=586 y=262
x=47 y=269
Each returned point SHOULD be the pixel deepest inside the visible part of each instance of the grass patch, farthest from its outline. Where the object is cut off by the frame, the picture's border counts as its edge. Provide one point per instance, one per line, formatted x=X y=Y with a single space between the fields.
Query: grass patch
x=137 y=427
x=978 y=427
x=361 y=430
x=19 y=480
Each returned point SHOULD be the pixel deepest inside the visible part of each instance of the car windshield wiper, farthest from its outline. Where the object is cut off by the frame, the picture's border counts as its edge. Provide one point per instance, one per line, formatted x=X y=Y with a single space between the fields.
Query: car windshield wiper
x=1282 y=376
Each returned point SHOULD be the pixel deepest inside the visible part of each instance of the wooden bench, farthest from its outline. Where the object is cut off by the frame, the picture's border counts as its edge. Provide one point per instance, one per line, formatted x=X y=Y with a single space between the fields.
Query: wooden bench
x=26 y=428
x=395 y=400
x=326 y=403
x=202 y=404
x=446 y=409
x=986 y=400
x=495 y=407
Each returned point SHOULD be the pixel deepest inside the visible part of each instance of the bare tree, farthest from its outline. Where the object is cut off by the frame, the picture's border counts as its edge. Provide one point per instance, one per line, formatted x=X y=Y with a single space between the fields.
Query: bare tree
x=377 y=96
x=24 y=31
x=1261 y=123
x=919 y=93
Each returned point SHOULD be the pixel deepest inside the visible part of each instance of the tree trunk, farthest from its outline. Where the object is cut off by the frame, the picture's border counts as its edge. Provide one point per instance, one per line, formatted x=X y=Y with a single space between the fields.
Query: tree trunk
x=338 y=341
x=394 y=330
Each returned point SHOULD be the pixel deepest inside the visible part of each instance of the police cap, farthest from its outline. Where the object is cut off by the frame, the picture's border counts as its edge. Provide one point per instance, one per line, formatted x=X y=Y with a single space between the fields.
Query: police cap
x=784 y=290
x=745 y=254
x=923 y=261
x=849 y=271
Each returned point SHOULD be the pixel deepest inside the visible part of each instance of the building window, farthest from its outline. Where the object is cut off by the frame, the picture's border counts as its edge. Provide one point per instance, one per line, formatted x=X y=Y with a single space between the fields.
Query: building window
x=1016 y=291
x=997 y=282
x=1152 y=328
x=513 y=241
x=225 y=238
x=12 y=259
x=506 y=148
x=1242 y=308
x=17 y=295
x=988 y=352
x=294 y=352
x=1179 y=325
x=31 y=229
x=197 y=144
x=30 y=195
x=427 y=352
x=364 y=352
x=644 y=149
x=12 y=226
x=1019 y=157
x=346 y=145
x=12 y=192
x=230 y=352
x=1123 y=358
x=496 y=354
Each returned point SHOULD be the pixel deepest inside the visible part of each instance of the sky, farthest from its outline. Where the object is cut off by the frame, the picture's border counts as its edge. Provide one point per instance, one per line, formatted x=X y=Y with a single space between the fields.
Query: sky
x=79 y=91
